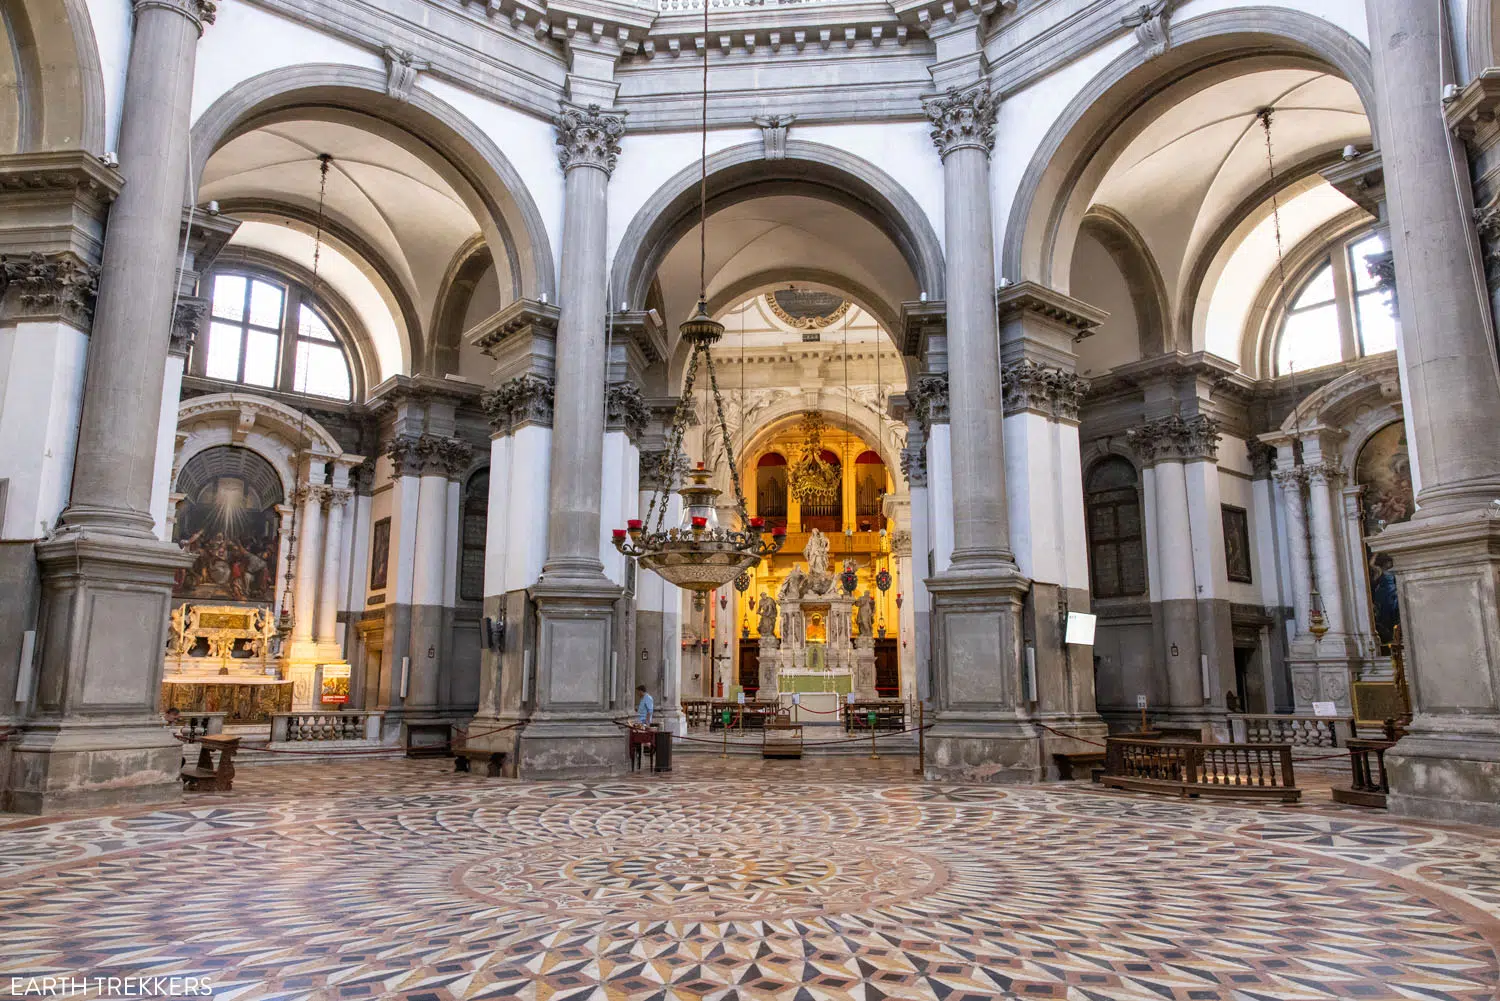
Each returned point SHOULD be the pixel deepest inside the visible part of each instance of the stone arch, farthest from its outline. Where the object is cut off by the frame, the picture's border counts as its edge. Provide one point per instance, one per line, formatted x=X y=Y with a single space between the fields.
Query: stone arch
x=275 y=431
x=452 y=306
x=510 y=212
x=1482 y=34
x=866 y=299
x=1043 y=214
x=59 y=84
x=1148 y=290
x=788 y=407
x=742 y=172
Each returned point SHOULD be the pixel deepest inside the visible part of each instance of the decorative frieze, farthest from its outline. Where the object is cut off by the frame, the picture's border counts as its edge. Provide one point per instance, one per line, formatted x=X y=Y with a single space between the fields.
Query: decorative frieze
x=1176 y=438
x=526 y=399
x=963 y=119
x=928 y=398
x=1042 y=389
x=625 y=410
x=589 y=137
x=187 y=323
x=914 y=465
x=50 y=286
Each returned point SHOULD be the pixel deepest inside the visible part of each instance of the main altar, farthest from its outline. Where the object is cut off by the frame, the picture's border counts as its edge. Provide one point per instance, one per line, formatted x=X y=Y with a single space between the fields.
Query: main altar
x=807 y=640
x=220 y=659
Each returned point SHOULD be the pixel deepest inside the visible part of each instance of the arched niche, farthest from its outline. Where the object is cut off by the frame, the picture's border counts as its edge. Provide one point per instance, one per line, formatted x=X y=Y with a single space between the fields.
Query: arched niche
x=228 y=516
x=1056 y=189
x=505 y=208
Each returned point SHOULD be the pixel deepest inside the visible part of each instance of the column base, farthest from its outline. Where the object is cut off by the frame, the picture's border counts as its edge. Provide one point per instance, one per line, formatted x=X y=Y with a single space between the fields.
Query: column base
x=1448 y=767
x=83 y=765
x=1074 y=734
x=572 y=733
x=571 y=748
x=983 y=731
x=94 y=736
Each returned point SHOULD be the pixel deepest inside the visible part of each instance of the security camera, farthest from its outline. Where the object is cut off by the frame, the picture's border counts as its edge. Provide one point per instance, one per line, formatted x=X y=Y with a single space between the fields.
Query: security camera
x=1450 y=93
x=1351 y=152
x=212 y=208
x=111 y=159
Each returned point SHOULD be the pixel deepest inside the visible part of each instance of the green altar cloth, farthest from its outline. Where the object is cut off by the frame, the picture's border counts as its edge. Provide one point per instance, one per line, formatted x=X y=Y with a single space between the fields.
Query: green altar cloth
x=808 y=683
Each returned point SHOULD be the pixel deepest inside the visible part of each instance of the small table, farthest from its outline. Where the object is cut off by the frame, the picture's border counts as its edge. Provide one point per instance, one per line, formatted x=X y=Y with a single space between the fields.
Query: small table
x=642 y=740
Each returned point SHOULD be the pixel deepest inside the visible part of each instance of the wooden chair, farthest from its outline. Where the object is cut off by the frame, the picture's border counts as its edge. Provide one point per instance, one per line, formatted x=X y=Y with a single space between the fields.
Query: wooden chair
x=205 y=777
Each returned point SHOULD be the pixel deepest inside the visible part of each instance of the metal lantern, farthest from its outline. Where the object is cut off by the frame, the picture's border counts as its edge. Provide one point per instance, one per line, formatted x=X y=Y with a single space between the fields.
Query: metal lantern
x=742 y=582
x=883 y=579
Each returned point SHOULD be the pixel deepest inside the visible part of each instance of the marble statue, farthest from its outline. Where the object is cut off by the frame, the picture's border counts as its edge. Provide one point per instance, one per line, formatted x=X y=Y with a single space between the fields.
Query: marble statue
x=794 y=586
x=177 y=643
x=816 y=554
x=864 y=611
x=766 y=609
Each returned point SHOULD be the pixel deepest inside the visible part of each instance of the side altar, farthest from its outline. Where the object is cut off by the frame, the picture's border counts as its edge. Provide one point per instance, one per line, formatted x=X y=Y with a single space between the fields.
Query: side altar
x=220 y=659
x=816 y=650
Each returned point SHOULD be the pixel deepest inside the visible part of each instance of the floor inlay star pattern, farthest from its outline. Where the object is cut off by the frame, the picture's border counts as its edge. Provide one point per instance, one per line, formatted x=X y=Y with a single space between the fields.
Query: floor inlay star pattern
x=432 y=886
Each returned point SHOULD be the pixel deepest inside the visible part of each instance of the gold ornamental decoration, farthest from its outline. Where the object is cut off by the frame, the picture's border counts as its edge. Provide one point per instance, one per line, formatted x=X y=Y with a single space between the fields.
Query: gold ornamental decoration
x=811 y=478
x=807 y=321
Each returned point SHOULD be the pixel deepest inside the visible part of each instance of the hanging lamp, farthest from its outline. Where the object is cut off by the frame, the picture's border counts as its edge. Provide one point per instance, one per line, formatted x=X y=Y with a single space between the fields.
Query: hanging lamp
x=1317 y=619
x=698 y=554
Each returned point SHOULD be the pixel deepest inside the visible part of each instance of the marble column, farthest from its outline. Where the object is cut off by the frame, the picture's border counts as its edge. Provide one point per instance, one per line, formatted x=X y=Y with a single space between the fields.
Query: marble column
x=916 y=597
x=571 y=732
x=1175 y=449
x=1447 y=558
x=309 y=553
x=326 y=632
x=983 y=731
x=1323 y=482
x=93 y=737
x=443 y=459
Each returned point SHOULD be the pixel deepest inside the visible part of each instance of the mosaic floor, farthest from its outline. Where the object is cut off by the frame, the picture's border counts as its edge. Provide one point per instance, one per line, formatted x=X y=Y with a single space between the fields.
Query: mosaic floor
x=812 y=881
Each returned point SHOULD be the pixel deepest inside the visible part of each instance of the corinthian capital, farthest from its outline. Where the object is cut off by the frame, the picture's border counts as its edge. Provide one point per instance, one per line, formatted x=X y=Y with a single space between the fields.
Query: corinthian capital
x=963 y=119
x=200 y=12
x=589 y=137
x=1181 y=438
x=50 y=285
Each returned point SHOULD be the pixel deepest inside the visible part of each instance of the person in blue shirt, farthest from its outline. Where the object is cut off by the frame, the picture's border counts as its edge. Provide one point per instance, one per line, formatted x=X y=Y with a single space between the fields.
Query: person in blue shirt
x=645 y=707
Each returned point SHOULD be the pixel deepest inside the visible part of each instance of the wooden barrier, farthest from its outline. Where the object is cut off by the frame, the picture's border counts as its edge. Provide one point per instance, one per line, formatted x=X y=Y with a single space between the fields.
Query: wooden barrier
x=1369 y=786
x=1259 y=771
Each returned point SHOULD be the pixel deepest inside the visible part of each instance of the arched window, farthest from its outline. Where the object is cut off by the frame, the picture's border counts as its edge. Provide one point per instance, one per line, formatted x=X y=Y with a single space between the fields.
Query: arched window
x=272 y=333
x=1339 y=312
x=475 y=526
x=1117 y=551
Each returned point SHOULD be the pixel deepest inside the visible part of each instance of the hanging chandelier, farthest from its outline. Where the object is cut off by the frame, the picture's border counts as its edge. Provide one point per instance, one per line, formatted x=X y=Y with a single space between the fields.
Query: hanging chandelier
x=698 y=554
x=812 y=479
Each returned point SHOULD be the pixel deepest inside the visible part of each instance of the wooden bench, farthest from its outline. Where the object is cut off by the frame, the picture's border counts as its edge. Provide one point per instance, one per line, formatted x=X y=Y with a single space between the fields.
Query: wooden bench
x=463 y=757
x=1076 y=764
x=205 y=777
x=888 y=716
x=781 y=738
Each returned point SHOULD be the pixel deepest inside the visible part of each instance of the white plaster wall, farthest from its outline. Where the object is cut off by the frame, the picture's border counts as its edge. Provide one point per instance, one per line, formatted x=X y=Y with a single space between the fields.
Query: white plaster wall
x=1206 y=528
x=904 y=150
x=357 y=527
x=530 y=144
x=496 y=535
x=41 y=397
x=1238 y=491
x=246 y=41
x=940 y=495
x=112 y=22
x=451 y=542
x=1030 y=480
x=526 y=517
x=1073 y=534
x=1149 y=501
x=1025 y=118
x=1347 y=14
x=645 y=164
x=404 y=500
x=166 y=443
x=619 y=496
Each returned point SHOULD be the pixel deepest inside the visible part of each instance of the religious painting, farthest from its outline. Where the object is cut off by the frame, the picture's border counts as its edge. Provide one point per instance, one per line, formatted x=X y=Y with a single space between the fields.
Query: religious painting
x=1236 y=543
x=1383 y=470
x=380 y=554
x=227 y=519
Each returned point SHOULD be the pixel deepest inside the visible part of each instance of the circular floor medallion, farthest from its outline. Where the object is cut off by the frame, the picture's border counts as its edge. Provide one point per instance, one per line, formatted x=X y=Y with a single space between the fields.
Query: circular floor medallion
x=721 y=881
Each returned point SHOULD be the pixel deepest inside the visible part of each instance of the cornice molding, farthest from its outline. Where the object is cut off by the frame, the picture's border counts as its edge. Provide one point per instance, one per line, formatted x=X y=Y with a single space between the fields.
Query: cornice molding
x=520 y=316
x=1049 y=304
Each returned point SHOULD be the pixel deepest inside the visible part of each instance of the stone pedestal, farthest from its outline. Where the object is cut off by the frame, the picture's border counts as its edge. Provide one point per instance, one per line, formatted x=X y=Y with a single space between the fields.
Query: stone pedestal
x=1448 y=766
x=769 y=648
x=572 y=733
x=95 y=737
x=864 y=668
x=983 y=732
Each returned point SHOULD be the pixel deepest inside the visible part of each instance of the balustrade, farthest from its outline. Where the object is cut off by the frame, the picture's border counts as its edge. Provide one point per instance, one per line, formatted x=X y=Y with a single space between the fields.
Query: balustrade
x=1195 y=769
x=305 y=727
x=1299 y=731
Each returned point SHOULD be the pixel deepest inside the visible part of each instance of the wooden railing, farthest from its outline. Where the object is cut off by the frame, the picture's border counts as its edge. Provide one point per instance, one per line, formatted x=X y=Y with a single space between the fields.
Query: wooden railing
x=1299 y=731
x=1369 y=786
x=1262 y=771
x=307 y=727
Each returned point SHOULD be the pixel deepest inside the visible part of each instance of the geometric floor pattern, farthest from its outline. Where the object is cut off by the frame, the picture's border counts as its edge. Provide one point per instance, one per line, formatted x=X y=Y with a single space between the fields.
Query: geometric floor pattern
x=819 y=880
